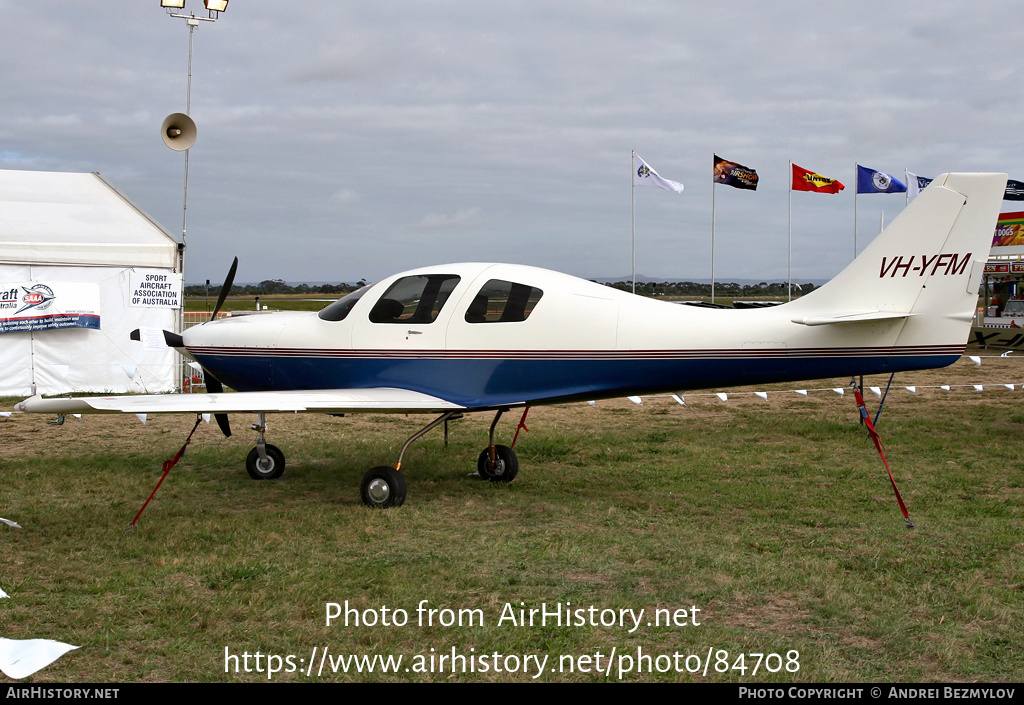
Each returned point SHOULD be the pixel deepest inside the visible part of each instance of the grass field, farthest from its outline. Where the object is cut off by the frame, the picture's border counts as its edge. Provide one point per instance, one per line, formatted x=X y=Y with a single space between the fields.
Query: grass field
x=774 y=518
x=282 y=302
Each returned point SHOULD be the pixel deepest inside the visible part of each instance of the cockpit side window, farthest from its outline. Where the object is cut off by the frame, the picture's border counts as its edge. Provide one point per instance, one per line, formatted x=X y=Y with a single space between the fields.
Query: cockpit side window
x=502 y=301
x=339 y=309
x=415 y=299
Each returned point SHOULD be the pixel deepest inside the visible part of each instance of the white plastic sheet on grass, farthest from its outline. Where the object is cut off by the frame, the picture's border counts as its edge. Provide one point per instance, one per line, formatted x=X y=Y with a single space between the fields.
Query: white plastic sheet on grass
x=22 y=658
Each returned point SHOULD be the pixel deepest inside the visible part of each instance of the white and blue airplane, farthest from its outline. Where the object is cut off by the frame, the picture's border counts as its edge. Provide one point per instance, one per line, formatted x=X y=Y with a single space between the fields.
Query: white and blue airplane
x=459 y=338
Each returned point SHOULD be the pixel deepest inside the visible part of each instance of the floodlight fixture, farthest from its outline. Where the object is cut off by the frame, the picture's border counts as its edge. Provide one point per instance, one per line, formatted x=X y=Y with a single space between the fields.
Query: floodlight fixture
x=213 y=9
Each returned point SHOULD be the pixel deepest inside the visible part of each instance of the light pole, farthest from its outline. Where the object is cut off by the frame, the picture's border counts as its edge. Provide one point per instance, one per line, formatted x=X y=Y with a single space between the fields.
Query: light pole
x=180 y=135
x=178 y=130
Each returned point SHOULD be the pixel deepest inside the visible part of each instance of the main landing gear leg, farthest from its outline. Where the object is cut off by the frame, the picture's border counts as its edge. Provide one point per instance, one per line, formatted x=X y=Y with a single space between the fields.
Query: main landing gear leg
x=384 y=486
x=265 y=461
x=497 y=463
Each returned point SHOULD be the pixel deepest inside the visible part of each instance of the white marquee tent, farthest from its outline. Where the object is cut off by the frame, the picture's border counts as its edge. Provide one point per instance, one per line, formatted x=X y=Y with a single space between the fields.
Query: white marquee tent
x=80 y=268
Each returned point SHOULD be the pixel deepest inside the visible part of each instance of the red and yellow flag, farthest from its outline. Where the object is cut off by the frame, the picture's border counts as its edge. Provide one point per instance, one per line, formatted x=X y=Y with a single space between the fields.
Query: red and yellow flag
x=806 y=180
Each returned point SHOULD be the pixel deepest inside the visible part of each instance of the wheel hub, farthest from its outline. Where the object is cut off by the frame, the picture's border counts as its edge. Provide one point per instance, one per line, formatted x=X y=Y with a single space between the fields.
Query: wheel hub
x=378 y=490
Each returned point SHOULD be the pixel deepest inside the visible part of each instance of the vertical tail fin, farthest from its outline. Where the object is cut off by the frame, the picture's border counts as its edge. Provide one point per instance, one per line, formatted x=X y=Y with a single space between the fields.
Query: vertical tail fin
x=926 y=266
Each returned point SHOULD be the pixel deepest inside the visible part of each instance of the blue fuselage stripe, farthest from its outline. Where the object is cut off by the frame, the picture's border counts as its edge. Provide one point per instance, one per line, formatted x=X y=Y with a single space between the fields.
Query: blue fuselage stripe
x=491 y=382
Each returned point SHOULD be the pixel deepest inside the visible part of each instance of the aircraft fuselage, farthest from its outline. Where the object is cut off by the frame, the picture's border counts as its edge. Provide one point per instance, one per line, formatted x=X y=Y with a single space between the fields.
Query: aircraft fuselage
x=579 y=340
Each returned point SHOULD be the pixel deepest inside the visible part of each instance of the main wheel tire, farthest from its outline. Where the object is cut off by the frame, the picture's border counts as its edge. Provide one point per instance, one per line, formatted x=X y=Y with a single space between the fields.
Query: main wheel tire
x=383 y=486
x=504 y=469
x=270 y=468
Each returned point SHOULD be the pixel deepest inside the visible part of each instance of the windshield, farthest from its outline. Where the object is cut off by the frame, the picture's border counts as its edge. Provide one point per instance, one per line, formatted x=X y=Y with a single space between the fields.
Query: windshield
x=340 y=308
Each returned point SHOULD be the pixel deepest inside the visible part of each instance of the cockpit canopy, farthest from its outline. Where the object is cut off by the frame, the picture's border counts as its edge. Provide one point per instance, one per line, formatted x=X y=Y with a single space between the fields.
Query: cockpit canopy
x=419 y=298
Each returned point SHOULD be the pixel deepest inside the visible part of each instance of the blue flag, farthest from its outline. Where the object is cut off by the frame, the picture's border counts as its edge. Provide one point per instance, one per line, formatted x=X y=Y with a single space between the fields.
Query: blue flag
x=871 y=181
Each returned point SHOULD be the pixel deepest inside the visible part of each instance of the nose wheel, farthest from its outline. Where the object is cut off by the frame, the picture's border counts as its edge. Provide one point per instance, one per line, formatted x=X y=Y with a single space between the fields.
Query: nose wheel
x=265 y=461
x=269 y=467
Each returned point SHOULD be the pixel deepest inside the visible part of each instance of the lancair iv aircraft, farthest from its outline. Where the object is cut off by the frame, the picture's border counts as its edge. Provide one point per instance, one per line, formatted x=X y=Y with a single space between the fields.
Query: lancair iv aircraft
x=460 y=338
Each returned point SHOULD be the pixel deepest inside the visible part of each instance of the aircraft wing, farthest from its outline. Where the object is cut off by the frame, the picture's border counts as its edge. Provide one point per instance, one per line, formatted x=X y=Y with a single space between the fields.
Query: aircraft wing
x=381 y=399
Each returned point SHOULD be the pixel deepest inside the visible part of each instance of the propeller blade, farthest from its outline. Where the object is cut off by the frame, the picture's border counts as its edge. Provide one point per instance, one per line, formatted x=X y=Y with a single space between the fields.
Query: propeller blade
x=173 y=340
x=225 y=288
x=214 y=386
x=222 y=422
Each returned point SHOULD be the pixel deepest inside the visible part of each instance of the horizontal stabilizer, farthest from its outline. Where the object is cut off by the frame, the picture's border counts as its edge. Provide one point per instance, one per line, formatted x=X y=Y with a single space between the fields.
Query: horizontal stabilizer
x=381 y=399
x=868 y=316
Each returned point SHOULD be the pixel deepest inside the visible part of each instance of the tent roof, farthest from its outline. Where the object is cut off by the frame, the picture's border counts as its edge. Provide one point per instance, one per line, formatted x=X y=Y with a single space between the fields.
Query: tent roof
x=51 y=217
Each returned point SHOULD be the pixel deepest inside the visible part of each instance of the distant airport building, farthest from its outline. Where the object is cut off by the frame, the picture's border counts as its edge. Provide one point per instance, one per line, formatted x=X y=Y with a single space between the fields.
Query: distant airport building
x=80 y=268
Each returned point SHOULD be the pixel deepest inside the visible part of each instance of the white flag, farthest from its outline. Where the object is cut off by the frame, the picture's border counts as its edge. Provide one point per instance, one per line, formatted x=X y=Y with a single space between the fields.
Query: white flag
x=644 y=175
x=915 y=184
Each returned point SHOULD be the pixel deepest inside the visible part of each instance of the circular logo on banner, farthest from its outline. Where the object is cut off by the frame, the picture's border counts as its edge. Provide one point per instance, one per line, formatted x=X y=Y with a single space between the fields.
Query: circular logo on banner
x=39 y=296
x=881 y=181
x=643 y=172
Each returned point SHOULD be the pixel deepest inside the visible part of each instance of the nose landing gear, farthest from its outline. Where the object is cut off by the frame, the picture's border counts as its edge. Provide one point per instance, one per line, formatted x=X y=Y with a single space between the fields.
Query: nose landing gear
x=265 y=461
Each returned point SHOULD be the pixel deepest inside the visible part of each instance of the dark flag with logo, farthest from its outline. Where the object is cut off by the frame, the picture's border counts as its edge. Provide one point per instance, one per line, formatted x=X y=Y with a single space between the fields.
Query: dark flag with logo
x=733 y=174
x=1014 y=190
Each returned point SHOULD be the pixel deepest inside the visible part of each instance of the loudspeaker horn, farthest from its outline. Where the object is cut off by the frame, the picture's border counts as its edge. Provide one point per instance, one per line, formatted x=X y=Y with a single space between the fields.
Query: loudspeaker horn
x=178 y=131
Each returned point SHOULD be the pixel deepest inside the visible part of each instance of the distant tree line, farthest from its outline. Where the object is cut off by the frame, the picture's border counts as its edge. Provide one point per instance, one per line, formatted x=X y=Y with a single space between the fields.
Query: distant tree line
x=726 y=289
x=273 y=286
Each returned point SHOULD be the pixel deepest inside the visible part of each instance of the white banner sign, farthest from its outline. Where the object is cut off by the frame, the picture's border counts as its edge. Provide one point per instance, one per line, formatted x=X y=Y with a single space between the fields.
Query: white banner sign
x=154 y=289
x=33 y=306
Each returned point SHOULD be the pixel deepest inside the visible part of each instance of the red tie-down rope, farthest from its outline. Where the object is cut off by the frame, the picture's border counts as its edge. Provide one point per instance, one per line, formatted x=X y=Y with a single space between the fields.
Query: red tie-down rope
x=866 y=420
x=168 y=464
x=521 y=426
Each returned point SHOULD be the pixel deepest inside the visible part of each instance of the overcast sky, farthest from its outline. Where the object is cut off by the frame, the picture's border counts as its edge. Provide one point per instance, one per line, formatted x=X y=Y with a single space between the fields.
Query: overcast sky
x=341 y=140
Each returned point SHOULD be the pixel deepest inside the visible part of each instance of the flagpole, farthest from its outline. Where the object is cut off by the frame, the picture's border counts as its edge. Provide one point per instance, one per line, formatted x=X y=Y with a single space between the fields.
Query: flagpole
x=632 y=217
x=712 y=240
x=789 y=264
x=856 y=190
